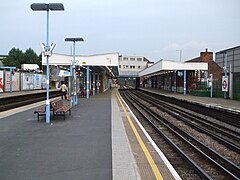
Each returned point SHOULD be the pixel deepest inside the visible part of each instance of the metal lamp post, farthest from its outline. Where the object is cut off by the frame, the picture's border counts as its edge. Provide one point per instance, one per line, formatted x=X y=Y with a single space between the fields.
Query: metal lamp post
x=74 y=99
x=47 y=48
x=180 y=54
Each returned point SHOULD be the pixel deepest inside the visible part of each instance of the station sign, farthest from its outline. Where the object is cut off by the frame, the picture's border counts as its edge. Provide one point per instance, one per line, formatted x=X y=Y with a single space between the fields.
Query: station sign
x=225 y=83
x=180 y=73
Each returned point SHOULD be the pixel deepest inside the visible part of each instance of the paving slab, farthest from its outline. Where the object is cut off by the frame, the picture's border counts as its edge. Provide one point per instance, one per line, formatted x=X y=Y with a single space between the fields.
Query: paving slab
x=77 y=148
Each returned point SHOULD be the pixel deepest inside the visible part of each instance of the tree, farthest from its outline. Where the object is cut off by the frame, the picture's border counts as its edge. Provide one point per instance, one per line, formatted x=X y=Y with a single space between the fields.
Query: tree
x=30 y=57
x=15 y=58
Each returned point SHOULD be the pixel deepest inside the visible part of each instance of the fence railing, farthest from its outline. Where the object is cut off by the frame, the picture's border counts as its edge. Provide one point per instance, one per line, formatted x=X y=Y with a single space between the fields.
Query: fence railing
x=204 y=89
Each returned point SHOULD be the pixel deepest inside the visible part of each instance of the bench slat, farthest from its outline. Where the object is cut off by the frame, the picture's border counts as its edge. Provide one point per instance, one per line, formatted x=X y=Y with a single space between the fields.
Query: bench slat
x=58 y=107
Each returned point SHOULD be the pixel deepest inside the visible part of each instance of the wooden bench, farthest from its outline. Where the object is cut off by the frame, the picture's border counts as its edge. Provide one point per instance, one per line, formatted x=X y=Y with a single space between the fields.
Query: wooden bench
x=60 y=108
x=41 y=111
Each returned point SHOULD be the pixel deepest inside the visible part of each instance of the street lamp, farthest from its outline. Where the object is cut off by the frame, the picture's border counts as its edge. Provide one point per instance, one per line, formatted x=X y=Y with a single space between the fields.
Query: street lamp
x=47 y=48
x=74 y=99
x=180 y=54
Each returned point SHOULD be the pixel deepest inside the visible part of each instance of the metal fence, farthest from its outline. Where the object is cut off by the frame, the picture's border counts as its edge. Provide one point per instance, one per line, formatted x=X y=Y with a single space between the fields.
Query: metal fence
x=236 y=87
x=204 y=89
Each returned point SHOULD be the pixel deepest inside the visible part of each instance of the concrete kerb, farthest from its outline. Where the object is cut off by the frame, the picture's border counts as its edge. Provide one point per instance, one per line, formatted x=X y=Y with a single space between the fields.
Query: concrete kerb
x=123 y=168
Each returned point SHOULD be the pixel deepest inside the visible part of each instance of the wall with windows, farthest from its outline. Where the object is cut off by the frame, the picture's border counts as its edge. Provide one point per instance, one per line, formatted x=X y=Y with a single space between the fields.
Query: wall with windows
x=225 y=59
x=131 y=65
x=232 y=57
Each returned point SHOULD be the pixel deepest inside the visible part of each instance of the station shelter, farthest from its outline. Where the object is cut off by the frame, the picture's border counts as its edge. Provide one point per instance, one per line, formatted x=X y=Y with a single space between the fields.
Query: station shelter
x=93 y=73
x=173 y=76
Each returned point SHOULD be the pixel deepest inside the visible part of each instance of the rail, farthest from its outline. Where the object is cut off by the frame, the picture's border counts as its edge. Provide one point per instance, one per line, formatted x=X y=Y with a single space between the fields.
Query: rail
x=227 y=168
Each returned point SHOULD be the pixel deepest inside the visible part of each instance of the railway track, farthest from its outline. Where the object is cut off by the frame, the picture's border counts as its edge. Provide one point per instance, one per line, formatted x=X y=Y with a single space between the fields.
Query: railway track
x=21 y=100
x=184 y=136
x=226 y=135
x=224 y=116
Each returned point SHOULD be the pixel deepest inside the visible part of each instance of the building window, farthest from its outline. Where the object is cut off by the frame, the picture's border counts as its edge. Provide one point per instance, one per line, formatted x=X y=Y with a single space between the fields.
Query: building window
x=139 y=67
x=139 y=59
x=125 y=59
x=132 y=59
x=119 y=66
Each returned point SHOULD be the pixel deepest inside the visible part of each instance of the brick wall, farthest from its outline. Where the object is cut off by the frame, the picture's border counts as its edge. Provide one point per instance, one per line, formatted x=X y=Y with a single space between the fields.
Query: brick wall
x=213 y=68
x=206 y=56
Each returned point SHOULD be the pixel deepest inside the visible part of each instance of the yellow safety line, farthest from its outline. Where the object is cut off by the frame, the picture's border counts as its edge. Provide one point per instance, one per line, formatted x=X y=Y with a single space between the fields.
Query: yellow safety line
x=143 y=146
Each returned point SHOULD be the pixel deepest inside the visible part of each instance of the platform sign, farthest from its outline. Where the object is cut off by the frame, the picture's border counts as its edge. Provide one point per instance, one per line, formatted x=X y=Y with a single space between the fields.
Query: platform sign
x=15 y=81
x=225 y=83
x=27 y=81
x=37 y=81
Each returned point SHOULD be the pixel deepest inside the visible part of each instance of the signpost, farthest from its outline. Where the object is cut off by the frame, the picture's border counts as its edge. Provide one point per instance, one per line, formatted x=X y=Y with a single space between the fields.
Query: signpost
x=225 y=83
x=211 y=85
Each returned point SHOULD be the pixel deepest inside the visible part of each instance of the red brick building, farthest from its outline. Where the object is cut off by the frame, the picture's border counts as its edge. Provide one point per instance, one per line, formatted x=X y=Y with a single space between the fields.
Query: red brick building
x=213 y=67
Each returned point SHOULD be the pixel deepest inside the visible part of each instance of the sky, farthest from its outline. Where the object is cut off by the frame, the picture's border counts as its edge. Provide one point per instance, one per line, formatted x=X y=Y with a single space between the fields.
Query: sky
x=155 y=29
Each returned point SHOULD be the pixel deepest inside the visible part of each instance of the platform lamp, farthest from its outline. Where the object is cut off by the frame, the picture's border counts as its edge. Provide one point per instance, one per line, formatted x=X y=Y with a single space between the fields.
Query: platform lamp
x=74 y=99
x=47 y=49
x=180 y=51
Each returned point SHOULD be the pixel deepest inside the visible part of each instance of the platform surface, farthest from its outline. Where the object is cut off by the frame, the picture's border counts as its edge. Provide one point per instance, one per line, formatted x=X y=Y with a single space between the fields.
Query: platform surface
x=95 y=142
x=77 y=148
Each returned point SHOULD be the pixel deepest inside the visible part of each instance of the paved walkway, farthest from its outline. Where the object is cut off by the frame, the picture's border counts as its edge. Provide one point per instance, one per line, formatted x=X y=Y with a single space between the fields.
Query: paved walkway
x=78 y=148
x=95 y=142
x=124 y=165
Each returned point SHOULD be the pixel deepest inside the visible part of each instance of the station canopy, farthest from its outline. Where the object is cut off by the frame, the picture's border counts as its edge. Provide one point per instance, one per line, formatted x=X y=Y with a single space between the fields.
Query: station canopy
x=164 y=66
x=108 y=61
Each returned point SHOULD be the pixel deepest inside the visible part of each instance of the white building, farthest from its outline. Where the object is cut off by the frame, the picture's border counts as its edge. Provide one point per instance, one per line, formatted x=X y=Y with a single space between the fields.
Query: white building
x=130 y=66
x=29 y=67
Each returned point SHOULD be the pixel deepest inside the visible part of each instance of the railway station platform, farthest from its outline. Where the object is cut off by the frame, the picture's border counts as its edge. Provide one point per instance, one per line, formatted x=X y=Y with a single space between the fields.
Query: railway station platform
x=100 y=140
x=217 y=103
x=21 y=93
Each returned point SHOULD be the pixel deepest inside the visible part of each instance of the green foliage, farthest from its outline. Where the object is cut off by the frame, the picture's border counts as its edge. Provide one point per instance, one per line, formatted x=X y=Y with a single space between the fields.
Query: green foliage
x=16 y=57
x=202 y=92
x=30 y=57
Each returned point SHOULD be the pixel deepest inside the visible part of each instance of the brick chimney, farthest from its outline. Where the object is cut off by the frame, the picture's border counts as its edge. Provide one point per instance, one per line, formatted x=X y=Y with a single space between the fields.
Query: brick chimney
x=206 y=56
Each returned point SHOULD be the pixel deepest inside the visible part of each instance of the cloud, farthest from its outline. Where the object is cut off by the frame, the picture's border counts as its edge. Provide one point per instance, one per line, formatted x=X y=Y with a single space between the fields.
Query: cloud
x=185 y=46
x=189 y=49
x=194 y=45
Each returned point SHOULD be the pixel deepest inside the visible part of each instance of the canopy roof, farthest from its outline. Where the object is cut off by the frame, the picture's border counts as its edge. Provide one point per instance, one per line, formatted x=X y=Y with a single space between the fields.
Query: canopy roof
x=168 y=65
x=108 y=60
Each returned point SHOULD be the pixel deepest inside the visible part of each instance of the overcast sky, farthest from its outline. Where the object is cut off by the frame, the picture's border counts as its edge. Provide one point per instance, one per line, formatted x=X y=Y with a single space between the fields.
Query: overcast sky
x=151 y=28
